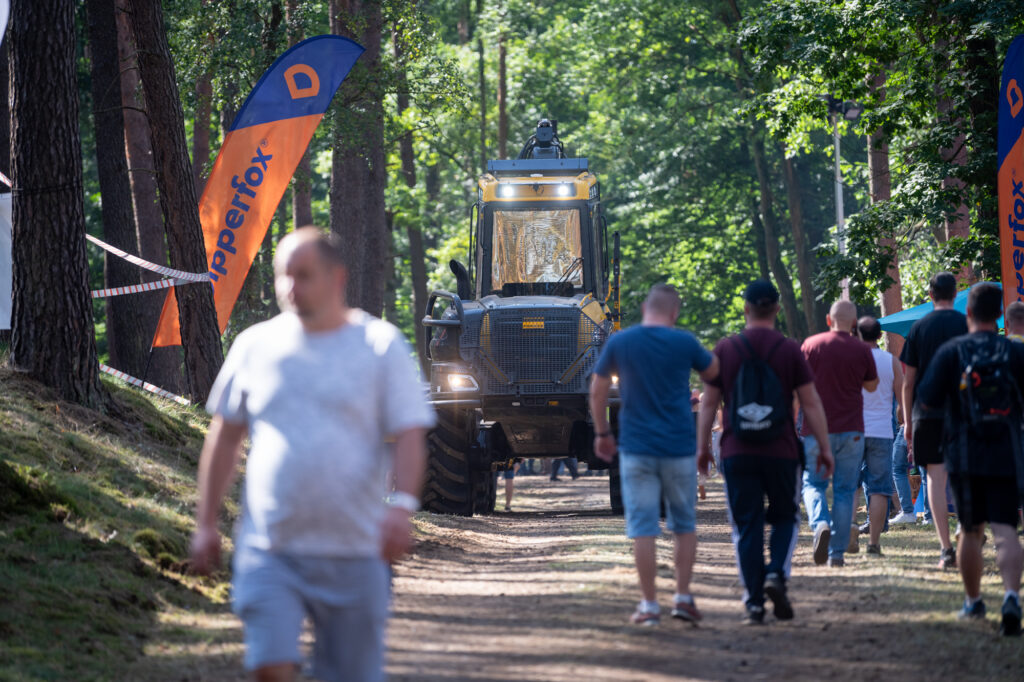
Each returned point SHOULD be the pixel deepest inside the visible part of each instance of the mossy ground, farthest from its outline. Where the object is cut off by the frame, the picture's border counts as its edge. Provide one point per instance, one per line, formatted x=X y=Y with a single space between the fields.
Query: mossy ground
x=95 y=515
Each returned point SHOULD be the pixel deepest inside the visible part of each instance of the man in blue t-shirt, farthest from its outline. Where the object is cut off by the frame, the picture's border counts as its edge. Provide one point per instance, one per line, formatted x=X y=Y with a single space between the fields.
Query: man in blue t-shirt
x=657 y=440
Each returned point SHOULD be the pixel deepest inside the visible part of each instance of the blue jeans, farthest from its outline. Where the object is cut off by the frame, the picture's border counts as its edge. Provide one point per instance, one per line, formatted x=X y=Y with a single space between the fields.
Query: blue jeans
x=848 y=451
x=646 y=481
x=900 y=479
x=877 y=467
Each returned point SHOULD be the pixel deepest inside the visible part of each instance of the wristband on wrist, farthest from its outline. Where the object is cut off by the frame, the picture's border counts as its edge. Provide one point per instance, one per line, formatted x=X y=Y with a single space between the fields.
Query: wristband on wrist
x=402 y=500
x=603 y=435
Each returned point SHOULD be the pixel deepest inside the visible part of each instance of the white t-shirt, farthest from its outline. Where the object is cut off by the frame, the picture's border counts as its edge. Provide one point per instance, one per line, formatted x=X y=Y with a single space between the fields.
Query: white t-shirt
x=318 y=407
x=878 y=403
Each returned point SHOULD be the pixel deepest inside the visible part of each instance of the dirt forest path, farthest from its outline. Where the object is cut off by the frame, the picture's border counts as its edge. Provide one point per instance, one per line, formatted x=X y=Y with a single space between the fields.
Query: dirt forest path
x=544 y=593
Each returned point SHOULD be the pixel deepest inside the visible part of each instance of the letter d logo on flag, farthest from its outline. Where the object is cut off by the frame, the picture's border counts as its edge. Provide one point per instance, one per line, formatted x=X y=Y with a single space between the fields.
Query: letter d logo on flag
x=257 y=160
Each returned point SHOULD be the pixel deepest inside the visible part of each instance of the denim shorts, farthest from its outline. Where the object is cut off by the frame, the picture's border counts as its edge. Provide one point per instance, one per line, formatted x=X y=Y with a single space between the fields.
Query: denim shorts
x=346 y=600
x=878 y=466
x=646 y=480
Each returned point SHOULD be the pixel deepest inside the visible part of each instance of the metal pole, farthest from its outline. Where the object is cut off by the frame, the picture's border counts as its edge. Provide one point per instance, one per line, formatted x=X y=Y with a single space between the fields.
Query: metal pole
x=840 y=219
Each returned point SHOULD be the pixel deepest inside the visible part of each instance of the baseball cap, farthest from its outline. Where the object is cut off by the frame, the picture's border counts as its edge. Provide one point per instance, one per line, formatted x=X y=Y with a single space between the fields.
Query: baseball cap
x=761 y=292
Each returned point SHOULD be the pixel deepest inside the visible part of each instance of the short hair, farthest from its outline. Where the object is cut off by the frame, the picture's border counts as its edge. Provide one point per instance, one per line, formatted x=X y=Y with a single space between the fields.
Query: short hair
x=1015 y=315
x=869 y=328
x=985 y=301
x=328 y=245
x=663 y=299
x=942 y=286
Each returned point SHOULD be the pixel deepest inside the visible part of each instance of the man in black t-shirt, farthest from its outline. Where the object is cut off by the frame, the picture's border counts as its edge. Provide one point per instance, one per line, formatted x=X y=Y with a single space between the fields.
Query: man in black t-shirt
x=923 y=430
x=976 y=377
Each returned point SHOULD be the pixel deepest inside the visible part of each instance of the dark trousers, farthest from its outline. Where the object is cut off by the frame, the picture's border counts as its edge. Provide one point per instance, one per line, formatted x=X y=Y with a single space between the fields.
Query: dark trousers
x=749 y=479
x=570 y=464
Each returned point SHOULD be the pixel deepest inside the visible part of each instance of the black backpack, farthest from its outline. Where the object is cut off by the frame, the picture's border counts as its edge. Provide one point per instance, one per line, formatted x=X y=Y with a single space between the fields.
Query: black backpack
x=990 y=400
x=759 y=408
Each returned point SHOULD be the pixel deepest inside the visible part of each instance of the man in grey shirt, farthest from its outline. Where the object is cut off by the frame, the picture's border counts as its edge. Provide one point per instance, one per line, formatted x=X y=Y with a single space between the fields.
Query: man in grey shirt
x=332 y=401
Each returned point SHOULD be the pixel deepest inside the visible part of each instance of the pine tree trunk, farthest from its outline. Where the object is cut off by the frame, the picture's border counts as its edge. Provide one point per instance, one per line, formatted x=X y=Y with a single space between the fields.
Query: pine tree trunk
x=804 y=263
x=201 y=132
x=126 y=331
x=880 y=188
x=53 y=329
x=302 y=185
x=164 y=364
x=178 y=202
x=502 y=101
x=358 y=171
x=413 y=224
x=5 y=143
x=794 y=321
x=482 y=76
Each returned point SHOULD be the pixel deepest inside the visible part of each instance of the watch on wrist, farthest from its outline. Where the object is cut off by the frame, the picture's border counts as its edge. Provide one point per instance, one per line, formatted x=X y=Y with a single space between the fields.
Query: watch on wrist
x=402 y=500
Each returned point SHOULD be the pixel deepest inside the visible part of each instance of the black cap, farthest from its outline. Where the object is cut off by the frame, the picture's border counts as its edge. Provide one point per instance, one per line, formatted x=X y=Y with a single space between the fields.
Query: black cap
x=761 y=292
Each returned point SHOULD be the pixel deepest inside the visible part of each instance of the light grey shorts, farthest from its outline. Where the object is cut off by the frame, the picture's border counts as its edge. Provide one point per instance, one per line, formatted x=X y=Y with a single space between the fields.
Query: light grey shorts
x=346 y=600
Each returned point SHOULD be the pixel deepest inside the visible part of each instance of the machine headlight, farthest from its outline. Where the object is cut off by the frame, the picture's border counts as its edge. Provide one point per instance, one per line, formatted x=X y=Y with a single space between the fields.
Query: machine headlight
x=563 y=190
x=462 y=382
x=506 y=191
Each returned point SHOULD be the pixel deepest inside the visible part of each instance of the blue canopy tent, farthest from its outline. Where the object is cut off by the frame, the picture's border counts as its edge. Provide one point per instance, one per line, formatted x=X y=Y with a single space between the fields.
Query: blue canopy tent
x=900 y=323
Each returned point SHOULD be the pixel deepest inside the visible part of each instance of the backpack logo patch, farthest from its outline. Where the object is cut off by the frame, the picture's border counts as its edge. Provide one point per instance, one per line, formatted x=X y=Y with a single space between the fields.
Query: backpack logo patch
x=753 y=412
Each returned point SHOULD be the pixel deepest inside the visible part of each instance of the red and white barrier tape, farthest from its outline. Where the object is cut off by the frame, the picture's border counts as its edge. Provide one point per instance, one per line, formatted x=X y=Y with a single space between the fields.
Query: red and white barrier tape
x=153 y=267
x=145 y=385
x=136 y=288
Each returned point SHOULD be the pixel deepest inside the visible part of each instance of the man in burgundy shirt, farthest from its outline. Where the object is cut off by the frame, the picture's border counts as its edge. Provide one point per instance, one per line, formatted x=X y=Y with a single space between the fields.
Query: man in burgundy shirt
x=842 y=365
x=754 y=470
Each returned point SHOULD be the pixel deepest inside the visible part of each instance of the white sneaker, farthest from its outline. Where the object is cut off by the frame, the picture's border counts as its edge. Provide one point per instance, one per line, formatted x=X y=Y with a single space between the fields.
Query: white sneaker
x=926 y=522
x=904 y=517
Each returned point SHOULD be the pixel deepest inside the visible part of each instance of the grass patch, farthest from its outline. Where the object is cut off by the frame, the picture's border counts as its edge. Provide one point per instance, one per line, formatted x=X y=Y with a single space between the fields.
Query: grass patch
x=95 y=516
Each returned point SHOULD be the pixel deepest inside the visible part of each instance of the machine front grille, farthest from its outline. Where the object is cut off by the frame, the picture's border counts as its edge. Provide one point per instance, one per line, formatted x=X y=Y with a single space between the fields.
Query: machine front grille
x=532 y=350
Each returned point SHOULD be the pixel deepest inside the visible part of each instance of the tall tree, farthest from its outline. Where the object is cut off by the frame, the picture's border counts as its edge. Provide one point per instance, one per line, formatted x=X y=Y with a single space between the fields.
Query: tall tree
x=804 y=262
x=178 y=202
x=164 y=364
x=482 y=76
x=5 y=141
x=358 y=171
x=53 y=329
x=127 y=336
x=302 y=185
x=502 y=98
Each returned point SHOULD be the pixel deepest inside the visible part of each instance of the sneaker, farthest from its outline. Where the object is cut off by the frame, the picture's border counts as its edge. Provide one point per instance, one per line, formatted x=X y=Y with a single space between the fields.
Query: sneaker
x=864 y=528
x=874 y=549
x=508 y=508
x=702 y=493
x=1010 y=626
x=822 y=535
x=755 y=615
x=904 y=517
x=555 y=480
x=947 y=558
x=687 y=610
x=854 y=545
x=836 y=562
x=974 y=612
x=775 y=589
x=645 y=618
x=926 y=522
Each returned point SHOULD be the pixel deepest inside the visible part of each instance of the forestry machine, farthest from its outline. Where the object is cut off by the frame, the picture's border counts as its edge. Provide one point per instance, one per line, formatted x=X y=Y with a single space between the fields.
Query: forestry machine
x=512 y=350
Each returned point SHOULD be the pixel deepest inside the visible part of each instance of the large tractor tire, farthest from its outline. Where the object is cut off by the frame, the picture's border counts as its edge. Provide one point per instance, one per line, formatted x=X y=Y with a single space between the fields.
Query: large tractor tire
x=485 y=491
x=615 y=487
x=449 y=484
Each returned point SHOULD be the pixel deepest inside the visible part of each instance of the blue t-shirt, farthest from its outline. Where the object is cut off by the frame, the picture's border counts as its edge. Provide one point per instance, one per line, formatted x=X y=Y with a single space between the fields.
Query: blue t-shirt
x=653 y=365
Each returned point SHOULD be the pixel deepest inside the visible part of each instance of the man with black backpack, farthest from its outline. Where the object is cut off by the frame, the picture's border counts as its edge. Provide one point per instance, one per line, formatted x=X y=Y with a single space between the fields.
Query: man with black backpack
x=977 y=378
x=759 y=371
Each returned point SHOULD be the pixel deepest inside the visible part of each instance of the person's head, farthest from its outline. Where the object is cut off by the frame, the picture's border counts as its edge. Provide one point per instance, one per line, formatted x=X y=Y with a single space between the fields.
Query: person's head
x=870 y=330
x=1014 y=319
x=842 y=317
x=309 y=273
x=761 y=302
x=984 y=306
x=662 y=305
x=942 y=287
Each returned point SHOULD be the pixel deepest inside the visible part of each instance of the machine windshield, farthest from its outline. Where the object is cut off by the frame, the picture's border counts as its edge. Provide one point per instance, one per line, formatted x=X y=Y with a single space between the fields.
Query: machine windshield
x=536 y=246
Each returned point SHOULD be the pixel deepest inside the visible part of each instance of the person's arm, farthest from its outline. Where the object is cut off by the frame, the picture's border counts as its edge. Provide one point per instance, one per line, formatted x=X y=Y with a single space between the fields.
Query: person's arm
x=604 y=440
x=710 y=373
x=871 y=375
x=705 y=421
x=217 y=465
x=871 y=385
x=897 y=389
x=814 y=419
x=909 y=381
x=409 y=467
